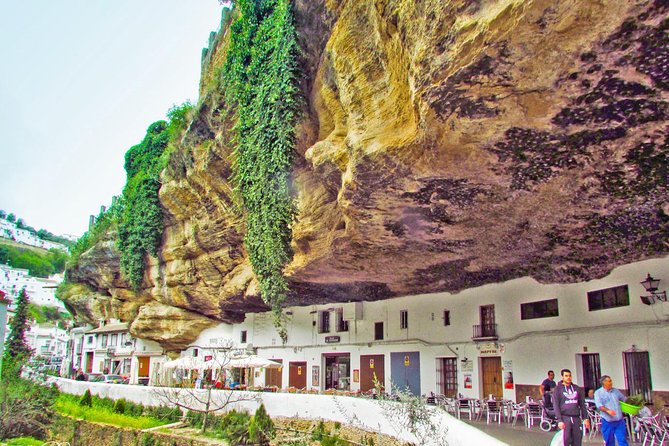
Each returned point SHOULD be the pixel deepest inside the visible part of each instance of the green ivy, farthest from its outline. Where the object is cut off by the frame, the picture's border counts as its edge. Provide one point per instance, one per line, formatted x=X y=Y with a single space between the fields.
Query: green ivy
x=261 y=81
x=140 y=226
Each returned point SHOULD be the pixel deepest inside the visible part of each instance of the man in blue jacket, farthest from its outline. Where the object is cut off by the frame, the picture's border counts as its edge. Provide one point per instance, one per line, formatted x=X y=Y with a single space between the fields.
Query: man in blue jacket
x=570 y=410
x=607 y=400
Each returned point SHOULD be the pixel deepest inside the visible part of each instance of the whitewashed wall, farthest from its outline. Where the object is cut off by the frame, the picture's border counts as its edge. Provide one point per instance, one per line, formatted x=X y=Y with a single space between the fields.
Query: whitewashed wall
x=533 y=346
x=314 y=407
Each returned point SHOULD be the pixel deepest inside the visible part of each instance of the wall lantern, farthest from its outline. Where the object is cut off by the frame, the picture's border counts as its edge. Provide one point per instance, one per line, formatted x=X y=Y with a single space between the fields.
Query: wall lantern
x=651 y=285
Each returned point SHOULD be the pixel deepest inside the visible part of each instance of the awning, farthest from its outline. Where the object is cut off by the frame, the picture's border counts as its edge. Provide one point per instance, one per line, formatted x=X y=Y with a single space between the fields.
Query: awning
x=185 y=362
x=252 y=362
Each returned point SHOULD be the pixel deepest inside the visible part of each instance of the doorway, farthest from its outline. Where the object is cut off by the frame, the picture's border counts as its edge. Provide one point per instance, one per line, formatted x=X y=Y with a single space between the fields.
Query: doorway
x=371 y=369
x=491 y=377
x=273 y=376
x=337 y=371
x=447 y=377
x=405 y=371
x=591 y=371
x=297 y=375
x=89 y=362
x=488 y=321
x=143 y=371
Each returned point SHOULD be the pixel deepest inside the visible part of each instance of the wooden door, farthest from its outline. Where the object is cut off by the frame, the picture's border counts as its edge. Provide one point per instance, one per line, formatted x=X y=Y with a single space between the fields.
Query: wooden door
x=144 y=362
x=89 y=362
x=371 y=368
x=273 y=376
x=297 y=375
x=488 y=320
x=491 y=372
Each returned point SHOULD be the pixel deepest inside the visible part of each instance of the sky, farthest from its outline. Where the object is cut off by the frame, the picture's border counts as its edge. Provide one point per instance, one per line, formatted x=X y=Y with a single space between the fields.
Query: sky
x=80 y=82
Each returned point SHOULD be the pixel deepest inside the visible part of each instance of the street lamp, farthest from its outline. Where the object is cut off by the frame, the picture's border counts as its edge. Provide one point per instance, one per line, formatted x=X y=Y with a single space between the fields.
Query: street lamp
x=651 y=285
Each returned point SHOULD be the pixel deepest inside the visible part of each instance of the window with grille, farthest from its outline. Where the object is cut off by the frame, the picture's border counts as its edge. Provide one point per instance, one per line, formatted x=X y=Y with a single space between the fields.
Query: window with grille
x=378 y=331
x=404 y=319
x=342 y=325
x=637 y=374
x=539 y=309
x=447 y=376
x=242 y=337
x=618 y=296
x=447 y=318
x=324 y=322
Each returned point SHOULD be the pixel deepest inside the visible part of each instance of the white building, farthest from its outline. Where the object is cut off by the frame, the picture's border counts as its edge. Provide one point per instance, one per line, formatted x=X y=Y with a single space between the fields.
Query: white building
x=495 y=339
x=110 y=348
x=47 y=341
x=9 y=231
x=40 y=291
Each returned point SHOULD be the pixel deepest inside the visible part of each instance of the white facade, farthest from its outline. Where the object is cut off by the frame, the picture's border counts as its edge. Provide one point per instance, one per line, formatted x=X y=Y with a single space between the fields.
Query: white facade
x=47 y=341
x=40 y=291
x=110 y=348
x=520 y=350
x=9 y=231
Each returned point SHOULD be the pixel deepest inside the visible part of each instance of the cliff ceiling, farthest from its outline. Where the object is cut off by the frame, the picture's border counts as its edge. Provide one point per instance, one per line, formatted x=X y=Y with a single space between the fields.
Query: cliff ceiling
x=444 y=145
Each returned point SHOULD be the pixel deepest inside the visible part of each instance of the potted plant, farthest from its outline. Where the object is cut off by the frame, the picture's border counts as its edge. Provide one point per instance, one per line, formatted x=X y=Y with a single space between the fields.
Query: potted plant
x=632 y=404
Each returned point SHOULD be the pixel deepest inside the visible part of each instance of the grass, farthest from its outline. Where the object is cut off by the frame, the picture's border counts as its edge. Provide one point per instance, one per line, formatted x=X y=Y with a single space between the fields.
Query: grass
x=69 y=405
x=23 y=441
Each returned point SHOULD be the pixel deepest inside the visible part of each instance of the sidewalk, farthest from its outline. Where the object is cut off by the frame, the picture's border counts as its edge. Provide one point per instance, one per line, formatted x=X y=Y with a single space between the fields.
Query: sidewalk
x=518 y=435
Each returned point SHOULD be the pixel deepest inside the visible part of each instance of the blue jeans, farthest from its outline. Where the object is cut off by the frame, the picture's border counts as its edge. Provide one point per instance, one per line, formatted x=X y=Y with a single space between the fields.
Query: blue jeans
x=614 y=430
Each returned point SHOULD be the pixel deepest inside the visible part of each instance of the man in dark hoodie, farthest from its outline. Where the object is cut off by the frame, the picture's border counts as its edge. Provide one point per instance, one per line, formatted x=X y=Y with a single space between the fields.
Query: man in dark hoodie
x=570 y=409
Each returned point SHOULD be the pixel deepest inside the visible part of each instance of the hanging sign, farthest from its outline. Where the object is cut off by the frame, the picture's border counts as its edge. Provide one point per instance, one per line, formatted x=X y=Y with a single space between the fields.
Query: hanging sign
x=371 y=363
x=407 y=362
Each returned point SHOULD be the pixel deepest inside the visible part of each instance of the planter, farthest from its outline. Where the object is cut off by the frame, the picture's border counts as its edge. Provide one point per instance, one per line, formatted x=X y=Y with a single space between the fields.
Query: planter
x=629 y=408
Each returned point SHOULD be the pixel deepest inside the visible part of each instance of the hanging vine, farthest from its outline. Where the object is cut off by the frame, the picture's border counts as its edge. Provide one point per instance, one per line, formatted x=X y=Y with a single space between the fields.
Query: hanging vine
x=260 y=81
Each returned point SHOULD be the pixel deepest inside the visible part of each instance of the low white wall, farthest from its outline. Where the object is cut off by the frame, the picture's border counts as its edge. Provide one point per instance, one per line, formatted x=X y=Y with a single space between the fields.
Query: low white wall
x=367 y=413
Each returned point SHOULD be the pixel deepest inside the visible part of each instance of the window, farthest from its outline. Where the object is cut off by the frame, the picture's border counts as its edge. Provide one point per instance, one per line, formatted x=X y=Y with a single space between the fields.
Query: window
x=342 y=325
x=196 y=352
x=243 y=337
x=114 y=339
x=447 y=376
x=378 y=331
x=637 y=374
x=609 y=298
x=90 y=339
x=324 y=322
x=104 y=340
x=404 y=319
x=447 y=318
x=539 y=309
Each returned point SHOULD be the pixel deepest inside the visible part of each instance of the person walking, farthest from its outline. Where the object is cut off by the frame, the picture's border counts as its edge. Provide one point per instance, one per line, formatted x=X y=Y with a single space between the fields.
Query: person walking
x=548 y=384
x=570 y=410
x=607 y=400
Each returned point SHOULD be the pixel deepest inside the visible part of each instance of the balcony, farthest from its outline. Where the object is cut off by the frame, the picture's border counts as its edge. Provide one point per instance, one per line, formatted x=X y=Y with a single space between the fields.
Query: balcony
x=485 y=332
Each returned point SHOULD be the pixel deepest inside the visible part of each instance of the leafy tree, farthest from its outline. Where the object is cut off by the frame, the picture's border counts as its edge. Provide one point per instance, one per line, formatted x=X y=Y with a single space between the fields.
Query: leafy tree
x=3 y=214
x=11 y=218
x=16 y=347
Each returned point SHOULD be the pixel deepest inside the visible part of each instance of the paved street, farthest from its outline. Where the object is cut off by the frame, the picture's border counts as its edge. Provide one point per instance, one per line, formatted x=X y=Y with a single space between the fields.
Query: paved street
x=519 y=435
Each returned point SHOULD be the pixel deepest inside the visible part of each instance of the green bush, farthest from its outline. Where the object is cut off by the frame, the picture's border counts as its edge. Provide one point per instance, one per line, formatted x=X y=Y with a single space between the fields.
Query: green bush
x=261 y=427
x=170 y=414
x=236 y=427
x=86 y=399
x=119 y=406
x=105 y=402
x=194 y=418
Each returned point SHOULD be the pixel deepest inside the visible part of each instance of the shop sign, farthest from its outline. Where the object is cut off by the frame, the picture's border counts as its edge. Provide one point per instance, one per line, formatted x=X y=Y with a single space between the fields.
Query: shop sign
x=332 y=339
x=407 y=362
x=489 y=349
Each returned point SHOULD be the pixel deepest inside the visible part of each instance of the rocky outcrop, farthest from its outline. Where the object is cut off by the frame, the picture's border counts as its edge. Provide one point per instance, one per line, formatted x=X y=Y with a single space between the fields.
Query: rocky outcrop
x=444 y=145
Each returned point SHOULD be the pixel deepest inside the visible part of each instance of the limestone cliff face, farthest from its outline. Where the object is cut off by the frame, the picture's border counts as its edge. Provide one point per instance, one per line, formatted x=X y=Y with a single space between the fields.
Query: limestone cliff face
x=444 y=145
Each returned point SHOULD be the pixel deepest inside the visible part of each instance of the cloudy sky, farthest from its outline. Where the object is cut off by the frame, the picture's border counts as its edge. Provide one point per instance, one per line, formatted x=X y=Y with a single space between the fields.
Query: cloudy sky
x=81 y=81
